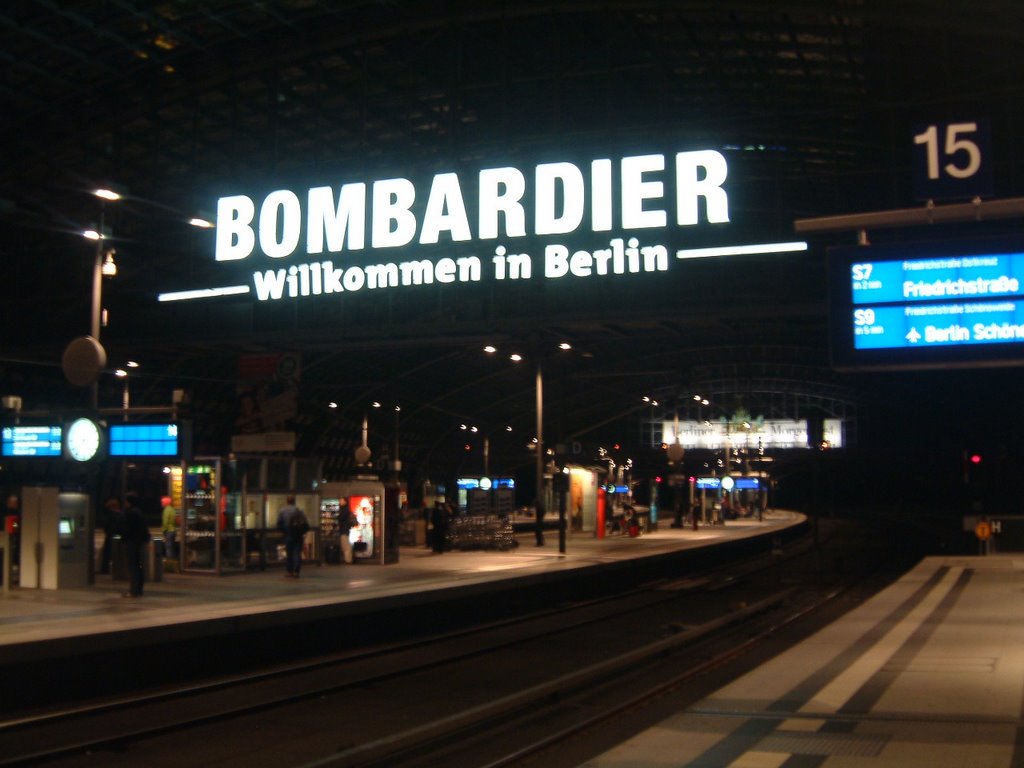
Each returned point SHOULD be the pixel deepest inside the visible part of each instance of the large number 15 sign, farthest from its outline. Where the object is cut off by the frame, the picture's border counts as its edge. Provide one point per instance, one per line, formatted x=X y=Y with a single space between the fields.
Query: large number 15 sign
x=951 y=160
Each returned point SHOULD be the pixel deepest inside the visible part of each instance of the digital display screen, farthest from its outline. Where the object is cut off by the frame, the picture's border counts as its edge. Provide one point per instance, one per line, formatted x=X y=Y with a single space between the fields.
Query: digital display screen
x=748 y=483
x=65 y=527
x=32 y=441
x=467 y=483
x=145 y=440
x=708 y=483
x=945 y=304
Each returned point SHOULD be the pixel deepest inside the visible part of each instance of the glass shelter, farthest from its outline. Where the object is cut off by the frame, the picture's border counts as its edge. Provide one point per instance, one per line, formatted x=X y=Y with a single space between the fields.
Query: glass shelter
x=229 y=511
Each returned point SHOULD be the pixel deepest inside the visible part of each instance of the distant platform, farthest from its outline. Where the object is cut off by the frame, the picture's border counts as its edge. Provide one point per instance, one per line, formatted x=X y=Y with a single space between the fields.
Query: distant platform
x=37 y=624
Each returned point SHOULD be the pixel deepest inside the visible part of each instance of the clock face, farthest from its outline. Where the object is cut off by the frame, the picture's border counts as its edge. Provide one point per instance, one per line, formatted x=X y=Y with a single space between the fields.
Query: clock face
x=83 y=439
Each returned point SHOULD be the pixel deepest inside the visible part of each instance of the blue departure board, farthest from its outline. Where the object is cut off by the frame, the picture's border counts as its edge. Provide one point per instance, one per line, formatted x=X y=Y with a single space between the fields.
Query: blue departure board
x=139 y=440
x=928 y=305
x=31 y=441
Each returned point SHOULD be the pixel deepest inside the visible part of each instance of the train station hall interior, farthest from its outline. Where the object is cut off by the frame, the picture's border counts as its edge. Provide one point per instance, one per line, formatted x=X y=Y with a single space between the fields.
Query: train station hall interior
x=545 y=285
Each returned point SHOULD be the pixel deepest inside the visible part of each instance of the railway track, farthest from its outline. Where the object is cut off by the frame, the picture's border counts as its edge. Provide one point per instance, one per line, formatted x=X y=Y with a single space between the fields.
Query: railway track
x=489 y=695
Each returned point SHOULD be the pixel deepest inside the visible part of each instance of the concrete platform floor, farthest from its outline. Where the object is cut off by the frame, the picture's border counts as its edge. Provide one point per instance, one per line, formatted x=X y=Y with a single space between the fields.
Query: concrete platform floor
x=929 y=672
x=33 y=616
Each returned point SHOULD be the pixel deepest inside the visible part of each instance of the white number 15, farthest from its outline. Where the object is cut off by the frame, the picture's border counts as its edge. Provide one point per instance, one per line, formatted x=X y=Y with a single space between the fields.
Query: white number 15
x=954 y=144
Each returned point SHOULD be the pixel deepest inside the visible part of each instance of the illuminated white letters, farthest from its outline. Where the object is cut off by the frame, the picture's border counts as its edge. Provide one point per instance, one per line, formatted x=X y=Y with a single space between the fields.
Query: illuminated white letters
x=689 y=186
x=445 y=195
x=324 y=218
x=392 y=199
x=635 y=190
x=601 y=195
x=619 y=258
x=502 y=190
x=235 y=238
x=281 y=214
x=335 y=218
x=549 y=177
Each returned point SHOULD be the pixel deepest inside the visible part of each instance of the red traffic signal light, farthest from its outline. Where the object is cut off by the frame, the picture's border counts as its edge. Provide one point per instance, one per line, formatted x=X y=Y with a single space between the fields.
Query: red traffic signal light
x=975 y=458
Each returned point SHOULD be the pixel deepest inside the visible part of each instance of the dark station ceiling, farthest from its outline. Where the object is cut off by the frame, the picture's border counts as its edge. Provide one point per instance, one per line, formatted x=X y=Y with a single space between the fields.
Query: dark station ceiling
x=178 y=103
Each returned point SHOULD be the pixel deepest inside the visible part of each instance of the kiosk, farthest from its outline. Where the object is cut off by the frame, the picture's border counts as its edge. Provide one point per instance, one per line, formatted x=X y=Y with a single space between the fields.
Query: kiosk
x=55 y=547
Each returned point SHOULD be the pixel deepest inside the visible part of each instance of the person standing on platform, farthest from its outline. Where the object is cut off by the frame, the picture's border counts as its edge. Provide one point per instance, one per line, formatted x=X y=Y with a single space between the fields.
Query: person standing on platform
x=135 y=536
x=110 y=522
x=170 y=521
x=292 y=522
x=439 y=521
x=344 y=530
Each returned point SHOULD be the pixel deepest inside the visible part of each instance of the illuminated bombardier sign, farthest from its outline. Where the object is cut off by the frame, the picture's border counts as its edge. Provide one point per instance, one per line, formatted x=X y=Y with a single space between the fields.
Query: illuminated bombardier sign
x=924 y=308
x=558 y=221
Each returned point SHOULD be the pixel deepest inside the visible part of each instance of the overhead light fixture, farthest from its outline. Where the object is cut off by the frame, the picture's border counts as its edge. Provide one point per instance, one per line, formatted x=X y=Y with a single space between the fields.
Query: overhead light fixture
x=92 y=234
x=196 y=221
x=106 y=194
x=490 y=350
x=565 y=345
x=109 y=268
x=515 y=358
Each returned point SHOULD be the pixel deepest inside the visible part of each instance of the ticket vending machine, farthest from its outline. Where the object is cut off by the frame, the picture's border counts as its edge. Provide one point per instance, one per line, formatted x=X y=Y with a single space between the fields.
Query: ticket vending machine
x=54 y=539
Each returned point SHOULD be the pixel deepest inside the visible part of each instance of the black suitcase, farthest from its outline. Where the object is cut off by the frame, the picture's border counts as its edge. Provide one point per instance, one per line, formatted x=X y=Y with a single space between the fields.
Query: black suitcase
x=332 y=554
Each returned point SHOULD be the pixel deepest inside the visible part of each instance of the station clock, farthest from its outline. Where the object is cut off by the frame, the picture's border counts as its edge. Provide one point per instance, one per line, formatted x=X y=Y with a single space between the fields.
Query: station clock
x=83 y=439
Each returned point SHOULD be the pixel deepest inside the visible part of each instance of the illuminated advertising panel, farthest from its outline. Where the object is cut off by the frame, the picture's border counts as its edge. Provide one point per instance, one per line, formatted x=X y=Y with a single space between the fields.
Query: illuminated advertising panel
x=716 y=435
x=42 y=441
x=363 y=533
x=946 y=304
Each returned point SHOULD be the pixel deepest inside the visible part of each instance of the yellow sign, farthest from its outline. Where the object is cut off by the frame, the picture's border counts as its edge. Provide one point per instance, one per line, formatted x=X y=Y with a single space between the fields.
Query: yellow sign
x=983 y=530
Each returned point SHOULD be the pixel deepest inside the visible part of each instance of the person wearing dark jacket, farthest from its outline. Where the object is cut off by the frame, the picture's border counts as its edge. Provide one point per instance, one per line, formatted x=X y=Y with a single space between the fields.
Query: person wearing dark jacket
x=292 y=522
x=135 y=536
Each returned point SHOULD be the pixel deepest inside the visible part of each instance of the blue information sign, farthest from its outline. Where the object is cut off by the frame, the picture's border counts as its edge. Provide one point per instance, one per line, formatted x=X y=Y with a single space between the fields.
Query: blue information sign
x=31 y=441
x=999 y=322
x=144 y=440
x=955 y=278
x=933 y=305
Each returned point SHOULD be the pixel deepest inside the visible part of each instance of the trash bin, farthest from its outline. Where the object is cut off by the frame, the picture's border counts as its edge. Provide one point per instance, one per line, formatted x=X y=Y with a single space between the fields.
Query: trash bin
x=152 y=560
x=332 y=553
x=118 y=560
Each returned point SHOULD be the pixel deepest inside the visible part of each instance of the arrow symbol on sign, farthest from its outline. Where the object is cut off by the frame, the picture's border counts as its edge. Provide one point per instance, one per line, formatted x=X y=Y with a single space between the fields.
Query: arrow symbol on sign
x=913 y=337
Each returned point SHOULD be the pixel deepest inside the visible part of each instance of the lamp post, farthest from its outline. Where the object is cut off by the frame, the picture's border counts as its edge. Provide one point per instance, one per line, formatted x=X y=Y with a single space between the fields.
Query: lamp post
x=104 y=195
x=396 y=463
x=539 y=439
x=98 y=271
